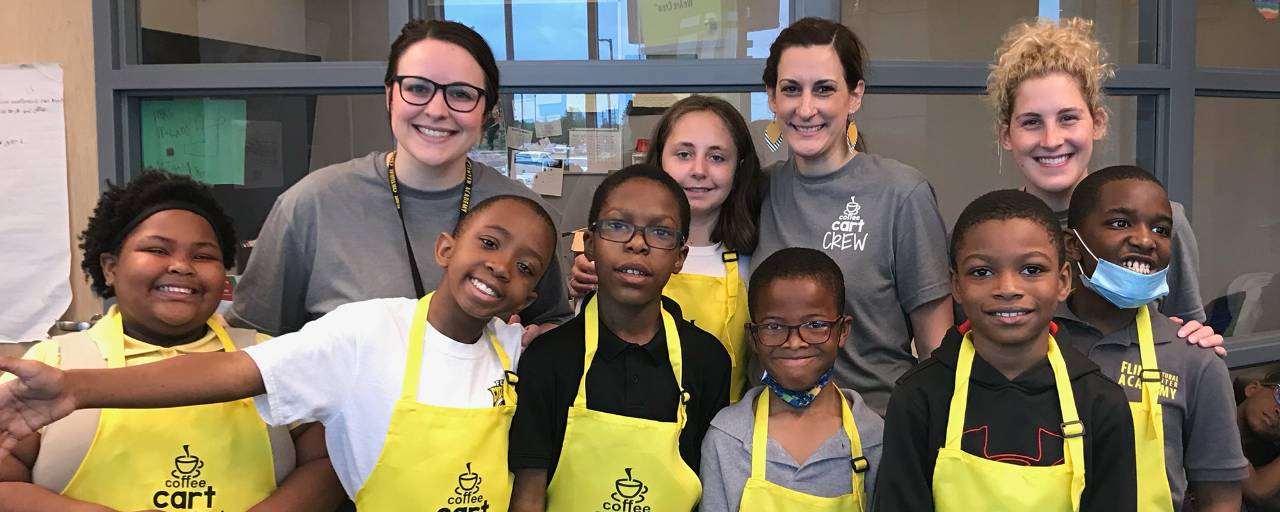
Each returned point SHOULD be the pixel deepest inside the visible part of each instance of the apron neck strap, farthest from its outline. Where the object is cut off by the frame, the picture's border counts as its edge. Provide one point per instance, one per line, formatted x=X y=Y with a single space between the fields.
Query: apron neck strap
x=732 y=284
x=1151 y=380
x=112 y=328
x=591 y=317
x=413 y=361
x=1072 y=428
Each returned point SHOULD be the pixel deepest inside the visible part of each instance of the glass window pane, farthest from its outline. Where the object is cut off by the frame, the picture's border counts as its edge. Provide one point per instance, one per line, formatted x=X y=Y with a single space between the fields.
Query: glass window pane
x=191 y=32
x=593 y=133
x=252 y=148
x=619 y=29
x=1234 y=34
x=971 y=30
x=951 y=140
x=1235 y=215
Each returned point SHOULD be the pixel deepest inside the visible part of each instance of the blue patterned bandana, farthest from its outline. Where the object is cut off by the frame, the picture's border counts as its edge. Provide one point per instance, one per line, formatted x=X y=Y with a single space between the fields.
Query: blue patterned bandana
x=797 y=399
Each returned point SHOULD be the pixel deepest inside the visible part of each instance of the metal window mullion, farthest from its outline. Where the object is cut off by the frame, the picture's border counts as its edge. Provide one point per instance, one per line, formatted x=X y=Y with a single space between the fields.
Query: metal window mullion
x=1252 y=349
x=129 y=30
x=399 y=12
x=105 y=58
x=1266 y=82
x=246 y=75
x=1178 y=128
x=829 y=9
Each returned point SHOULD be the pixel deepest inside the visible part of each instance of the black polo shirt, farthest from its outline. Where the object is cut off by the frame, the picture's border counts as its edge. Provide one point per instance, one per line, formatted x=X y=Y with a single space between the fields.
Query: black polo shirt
x=624 y=379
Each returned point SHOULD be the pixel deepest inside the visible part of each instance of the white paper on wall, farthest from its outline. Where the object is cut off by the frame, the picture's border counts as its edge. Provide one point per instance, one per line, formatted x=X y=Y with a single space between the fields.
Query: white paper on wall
x=603 y=147
x=35 y=246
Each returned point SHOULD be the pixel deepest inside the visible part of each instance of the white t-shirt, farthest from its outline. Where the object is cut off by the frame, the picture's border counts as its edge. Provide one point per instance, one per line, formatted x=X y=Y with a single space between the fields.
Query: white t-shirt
x=708 y=260
x=346 y=370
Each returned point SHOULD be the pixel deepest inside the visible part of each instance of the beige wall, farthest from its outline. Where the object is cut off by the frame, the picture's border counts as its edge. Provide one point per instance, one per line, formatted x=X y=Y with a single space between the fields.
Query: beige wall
x=61 y=31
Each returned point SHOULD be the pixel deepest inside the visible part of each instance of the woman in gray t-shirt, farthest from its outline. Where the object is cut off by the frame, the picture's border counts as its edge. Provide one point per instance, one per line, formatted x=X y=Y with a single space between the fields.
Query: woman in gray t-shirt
x=365 y=228
x=876 y=217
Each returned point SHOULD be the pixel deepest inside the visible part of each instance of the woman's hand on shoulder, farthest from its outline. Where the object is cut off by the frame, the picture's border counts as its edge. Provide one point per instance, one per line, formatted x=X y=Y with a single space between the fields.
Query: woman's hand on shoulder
x=582 y=277
x=1197 y=333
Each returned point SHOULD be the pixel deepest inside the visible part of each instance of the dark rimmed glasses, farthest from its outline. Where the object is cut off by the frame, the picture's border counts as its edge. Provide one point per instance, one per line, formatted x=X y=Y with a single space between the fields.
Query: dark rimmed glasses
x=620 y=231
x=460 y=97
x=1275 y=390
x=773 y=334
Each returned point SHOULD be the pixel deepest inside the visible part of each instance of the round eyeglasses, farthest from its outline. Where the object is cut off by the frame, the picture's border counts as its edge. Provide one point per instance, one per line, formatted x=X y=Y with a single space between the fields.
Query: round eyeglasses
x=458 y=96
x=657 y=237
x=773 y=334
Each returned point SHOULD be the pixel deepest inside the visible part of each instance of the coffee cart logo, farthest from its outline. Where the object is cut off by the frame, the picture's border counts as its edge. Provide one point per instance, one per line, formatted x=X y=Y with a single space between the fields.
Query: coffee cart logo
x=468 y=494
x=186 y=464
x=468 y=483
x=628 y=493
x=185 y=489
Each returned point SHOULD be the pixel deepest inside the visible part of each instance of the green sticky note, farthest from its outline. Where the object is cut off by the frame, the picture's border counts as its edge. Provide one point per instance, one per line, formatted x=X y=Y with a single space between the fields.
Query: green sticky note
x=672 y=22
x=202 y=138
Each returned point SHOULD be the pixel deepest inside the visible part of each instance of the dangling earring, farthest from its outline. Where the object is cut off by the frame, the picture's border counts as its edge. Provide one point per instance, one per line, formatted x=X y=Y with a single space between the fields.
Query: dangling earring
x=999 y=160
x=852 y=136
x=773 y=136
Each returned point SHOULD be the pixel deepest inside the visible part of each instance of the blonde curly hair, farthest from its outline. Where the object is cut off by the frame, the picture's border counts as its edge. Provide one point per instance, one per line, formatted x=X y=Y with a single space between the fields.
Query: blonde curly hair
x=1041 y=47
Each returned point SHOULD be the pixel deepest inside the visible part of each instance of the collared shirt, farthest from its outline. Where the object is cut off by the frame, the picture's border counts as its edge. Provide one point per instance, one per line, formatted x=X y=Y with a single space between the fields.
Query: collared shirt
x=1201 y=440
x=726 y=456
x=137 y=352
x=624 y=379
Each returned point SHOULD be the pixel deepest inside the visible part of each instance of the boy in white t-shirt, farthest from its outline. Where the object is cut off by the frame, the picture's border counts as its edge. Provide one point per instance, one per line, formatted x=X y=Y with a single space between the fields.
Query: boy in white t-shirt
x=348 y=368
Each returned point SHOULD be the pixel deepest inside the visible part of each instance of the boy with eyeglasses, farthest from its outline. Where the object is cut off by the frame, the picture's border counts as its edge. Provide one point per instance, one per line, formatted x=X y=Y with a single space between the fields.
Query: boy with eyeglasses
x=829 y=437
x=614 y=403
x=1258 y=415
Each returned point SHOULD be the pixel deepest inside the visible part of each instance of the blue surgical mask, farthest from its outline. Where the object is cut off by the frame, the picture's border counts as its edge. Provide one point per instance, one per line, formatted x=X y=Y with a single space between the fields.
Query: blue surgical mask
x=1120 y=286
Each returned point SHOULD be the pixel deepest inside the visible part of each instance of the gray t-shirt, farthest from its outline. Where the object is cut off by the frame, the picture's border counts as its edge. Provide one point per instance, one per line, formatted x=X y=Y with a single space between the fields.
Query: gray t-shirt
x=878 y=219
x=1184 y=299
x=335 y=238
x=726 y=456
x=1201 y=440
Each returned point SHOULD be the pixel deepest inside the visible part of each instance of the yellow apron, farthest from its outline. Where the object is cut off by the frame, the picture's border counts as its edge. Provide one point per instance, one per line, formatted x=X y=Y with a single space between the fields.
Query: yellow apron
x=442 y=458
x=760 y=495
x=618 y=463
x=718 y=305
x=1148 y=426
x=965 y=483
x=204 y=457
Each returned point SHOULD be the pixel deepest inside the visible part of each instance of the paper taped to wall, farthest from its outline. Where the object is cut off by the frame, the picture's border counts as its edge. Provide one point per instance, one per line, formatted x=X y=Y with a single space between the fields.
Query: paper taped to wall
x=33 y=185
x=202 y=138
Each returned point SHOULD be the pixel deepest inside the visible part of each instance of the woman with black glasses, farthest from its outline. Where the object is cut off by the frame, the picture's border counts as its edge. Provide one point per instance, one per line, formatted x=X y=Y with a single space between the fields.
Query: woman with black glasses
x=363 y=229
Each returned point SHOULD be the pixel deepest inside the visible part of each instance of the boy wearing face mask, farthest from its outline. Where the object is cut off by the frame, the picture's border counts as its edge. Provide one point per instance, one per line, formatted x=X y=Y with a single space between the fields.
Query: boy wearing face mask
x=1119 y=239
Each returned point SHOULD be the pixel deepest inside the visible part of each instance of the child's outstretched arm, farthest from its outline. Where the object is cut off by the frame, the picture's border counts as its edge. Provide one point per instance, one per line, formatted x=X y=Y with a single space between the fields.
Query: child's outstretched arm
x=42 y=394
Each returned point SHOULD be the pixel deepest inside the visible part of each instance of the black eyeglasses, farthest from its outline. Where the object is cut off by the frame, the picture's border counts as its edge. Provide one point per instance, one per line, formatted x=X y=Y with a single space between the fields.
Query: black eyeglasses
x=458 y=96
x=657 y=237
x=773 y=334
x=1275 y=390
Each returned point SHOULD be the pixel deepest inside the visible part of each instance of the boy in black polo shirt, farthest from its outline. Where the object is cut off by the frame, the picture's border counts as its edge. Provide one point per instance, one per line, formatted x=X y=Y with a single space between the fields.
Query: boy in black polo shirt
x=1120 y=243
x=1006 y=419
x=628 y=434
